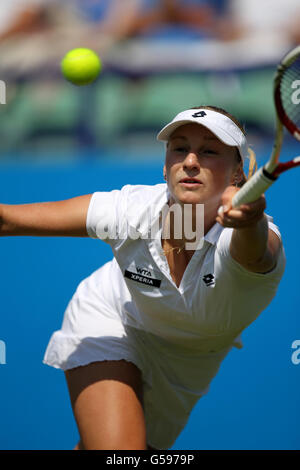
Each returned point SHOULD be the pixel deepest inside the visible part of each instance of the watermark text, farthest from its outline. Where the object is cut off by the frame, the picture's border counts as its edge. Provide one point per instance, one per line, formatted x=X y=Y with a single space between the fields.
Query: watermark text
x=296 y=354
x=181 y=222
x=2 y=92
x=2 y=352
x=296 y=94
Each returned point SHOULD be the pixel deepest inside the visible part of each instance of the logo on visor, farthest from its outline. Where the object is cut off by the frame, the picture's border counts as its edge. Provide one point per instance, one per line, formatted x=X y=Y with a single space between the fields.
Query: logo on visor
x=199 y=114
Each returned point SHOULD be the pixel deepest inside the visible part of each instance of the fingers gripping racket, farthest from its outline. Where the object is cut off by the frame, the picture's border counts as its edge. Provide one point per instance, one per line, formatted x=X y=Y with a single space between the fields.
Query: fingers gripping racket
x=287 y=103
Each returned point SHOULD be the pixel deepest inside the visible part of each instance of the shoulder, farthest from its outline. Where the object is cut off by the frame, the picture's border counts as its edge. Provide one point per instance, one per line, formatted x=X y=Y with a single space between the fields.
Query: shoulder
x=141 y=198
x=132 y=193
x=144 y=203
x=145 y=192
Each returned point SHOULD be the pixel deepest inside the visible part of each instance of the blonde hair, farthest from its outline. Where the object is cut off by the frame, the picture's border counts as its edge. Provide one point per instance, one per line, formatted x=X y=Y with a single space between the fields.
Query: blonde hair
x=251 y=155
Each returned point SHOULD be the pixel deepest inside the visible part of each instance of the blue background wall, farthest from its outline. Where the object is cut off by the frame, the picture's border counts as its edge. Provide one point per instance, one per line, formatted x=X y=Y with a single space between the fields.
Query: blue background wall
x=253 y=402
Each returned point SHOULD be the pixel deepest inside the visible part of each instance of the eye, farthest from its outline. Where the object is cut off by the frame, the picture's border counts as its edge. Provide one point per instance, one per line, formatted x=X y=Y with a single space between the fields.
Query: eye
x=181 y=149
x=210 y=151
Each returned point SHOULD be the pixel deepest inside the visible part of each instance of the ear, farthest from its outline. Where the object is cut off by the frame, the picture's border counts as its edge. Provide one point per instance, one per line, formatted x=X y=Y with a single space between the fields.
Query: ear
x=165 y=173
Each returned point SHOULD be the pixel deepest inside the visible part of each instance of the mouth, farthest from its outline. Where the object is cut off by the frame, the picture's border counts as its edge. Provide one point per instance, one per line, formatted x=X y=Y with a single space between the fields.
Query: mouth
x=190 y=182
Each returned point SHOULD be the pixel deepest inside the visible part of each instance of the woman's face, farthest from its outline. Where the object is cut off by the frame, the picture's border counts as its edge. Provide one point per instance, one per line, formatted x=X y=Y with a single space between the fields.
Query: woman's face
x=195 y=152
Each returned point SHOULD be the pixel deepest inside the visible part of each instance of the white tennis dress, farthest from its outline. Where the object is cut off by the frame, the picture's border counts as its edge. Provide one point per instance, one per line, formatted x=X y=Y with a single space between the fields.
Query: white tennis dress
x=131 y=308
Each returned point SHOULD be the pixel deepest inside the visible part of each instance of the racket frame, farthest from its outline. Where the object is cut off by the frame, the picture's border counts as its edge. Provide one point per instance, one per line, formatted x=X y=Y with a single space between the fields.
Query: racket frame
x=266 y=176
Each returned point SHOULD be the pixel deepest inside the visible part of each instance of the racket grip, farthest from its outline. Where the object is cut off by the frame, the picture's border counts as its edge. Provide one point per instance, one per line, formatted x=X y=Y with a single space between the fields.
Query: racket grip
x=254 y=188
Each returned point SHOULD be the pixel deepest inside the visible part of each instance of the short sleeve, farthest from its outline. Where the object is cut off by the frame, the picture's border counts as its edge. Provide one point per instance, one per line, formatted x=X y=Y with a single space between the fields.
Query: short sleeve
x=106 y=215
x=244 y=293
x=223 y=249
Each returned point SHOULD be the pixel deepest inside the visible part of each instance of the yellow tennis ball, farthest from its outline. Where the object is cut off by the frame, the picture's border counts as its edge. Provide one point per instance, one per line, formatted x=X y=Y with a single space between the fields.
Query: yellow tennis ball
x=81 y=66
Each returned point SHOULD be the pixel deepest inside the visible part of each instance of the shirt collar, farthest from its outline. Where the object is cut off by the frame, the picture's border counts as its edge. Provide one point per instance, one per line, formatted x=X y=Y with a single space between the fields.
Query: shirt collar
x=214 y=233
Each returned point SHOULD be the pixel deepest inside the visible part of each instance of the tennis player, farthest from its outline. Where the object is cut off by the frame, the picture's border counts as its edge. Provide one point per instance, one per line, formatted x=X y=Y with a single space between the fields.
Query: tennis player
x=144 y=335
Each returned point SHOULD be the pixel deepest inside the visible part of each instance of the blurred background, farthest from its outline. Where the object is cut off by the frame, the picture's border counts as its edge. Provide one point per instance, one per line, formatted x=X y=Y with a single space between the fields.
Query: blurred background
x=59 y=141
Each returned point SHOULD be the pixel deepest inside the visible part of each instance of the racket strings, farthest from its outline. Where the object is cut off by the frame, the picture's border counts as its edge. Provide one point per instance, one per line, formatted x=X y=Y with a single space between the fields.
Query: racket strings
x=290 y=92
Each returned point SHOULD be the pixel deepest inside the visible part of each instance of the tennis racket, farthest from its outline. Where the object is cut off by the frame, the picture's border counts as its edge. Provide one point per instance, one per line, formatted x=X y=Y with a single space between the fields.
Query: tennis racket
x=286 y=90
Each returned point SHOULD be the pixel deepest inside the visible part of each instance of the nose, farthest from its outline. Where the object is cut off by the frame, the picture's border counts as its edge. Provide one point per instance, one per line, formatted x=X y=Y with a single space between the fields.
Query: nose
x=191 y=162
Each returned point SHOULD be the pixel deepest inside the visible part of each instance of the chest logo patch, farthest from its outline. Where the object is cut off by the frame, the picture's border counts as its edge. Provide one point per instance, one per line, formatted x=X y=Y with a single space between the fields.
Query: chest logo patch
x=142 y=275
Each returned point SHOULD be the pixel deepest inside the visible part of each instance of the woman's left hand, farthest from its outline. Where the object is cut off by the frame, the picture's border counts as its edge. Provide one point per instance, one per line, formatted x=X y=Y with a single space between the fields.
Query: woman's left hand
x=244 y=216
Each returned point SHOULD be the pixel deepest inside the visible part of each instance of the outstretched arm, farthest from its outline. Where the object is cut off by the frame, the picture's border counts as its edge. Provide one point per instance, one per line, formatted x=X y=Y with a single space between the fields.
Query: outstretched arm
x=60 y=218
x=253 y=244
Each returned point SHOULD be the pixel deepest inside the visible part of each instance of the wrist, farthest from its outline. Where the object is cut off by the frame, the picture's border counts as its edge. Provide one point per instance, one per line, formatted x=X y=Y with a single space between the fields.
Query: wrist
x=259 y=220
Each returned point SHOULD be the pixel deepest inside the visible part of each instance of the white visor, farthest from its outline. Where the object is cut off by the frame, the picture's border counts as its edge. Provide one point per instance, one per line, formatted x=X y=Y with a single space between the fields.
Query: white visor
x=219 y=124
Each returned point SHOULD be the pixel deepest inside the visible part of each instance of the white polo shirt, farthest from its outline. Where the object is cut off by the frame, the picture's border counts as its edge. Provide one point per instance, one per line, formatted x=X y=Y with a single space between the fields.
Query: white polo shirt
x=216 y=299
